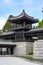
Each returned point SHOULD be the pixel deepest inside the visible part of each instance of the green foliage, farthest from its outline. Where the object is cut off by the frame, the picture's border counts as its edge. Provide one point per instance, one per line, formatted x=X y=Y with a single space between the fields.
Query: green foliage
x=8 y=25
x=30 y=53
x=40 y=24
x=10 y=16
x=1 y=31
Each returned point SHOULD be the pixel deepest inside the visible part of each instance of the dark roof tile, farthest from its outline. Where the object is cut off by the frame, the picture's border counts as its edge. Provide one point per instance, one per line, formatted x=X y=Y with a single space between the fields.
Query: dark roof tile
x=23 y=15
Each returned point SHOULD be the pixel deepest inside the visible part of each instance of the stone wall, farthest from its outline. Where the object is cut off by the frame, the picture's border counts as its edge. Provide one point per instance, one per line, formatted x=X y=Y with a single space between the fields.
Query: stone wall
x=22 y=48
x=29 y=47
x=38 y=49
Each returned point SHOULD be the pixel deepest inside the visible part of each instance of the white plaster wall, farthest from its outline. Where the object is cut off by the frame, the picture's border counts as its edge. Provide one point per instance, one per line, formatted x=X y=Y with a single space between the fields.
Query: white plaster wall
x=38 y=49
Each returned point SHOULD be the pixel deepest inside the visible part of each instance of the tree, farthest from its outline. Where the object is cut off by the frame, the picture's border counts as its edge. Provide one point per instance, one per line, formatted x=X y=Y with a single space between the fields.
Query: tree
x=1 y=31
x=8 y=25
x=40 y=24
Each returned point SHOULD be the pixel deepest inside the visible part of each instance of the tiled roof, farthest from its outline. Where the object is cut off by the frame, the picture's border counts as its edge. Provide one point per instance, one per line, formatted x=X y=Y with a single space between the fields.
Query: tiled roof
x=23 y=15
x=35 y=30
x=6 y=42
x=7 y=33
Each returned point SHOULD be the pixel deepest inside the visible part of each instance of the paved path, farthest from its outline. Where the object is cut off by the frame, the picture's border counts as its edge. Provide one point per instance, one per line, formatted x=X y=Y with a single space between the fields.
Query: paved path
x=15 y=61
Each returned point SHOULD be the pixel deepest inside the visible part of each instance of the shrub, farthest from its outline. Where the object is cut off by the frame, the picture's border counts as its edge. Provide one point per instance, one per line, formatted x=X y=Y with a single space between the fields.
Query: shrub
x=30 y=53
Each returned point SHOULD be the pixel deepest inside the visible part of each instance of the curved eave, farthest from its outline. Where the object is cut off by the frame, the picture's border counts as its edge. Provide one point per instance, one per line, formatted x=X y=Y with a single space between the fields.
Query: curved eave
x=34 y=31
x=7 y=34
x=5 y=43
x=23 y=16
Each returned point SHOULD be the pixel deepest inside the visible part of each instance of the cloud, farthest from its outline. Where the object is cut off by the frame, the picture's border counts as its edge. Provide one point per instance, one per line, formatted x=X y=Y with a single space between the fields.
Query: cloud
x=2 y=22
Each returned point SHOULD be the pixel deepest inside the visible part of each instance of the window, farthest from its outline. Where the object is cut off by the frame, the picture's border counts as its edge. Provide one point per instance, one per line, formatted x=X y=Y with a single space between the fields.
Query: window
x=19 y=36
x=28 y=25
x=19 y=25
x=3 y=49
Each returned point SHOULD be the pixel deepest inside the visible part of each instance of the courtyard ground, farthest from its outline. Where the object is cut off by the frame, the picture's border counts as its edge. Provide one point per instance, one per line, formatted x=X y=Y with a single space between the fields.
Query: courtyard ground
x=16 y=61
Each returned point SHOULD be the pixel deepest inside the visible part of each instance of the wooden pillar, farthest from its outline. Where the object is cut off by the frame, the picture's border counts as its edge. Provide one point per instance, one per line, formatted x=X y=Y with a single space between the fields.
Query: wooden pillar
x=10 y=37
x=15 y=25
x=23 y=23
x=7 y=51
x=23 y=36
x=15 y=36
x=11 y=50
x=1 y=51
x=29 y=38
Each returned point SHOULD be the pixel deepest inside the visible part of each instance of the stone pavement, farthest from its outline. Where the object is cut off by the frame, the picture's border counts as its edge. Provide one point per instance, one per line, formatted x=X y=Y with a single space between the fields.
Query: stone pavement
x=15 y=61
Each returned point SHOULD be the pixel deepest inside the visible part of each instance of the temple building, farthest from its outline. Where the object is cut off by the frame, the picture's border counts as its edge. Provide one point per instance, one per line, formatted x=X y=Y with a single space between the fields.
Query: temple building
x=20 y=39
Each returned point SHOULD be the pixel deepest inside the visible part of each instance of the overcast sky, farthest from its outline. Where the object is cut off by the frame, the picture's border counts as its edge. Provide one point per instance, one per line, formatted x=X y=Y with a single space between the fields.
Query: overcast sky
x=15 y=7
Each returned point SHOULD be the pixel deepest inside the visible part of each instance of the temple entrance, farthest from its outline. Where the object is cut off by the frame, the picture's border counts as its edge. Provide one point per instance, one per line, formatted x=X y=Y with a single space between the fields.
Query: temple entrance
x=7 y=50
